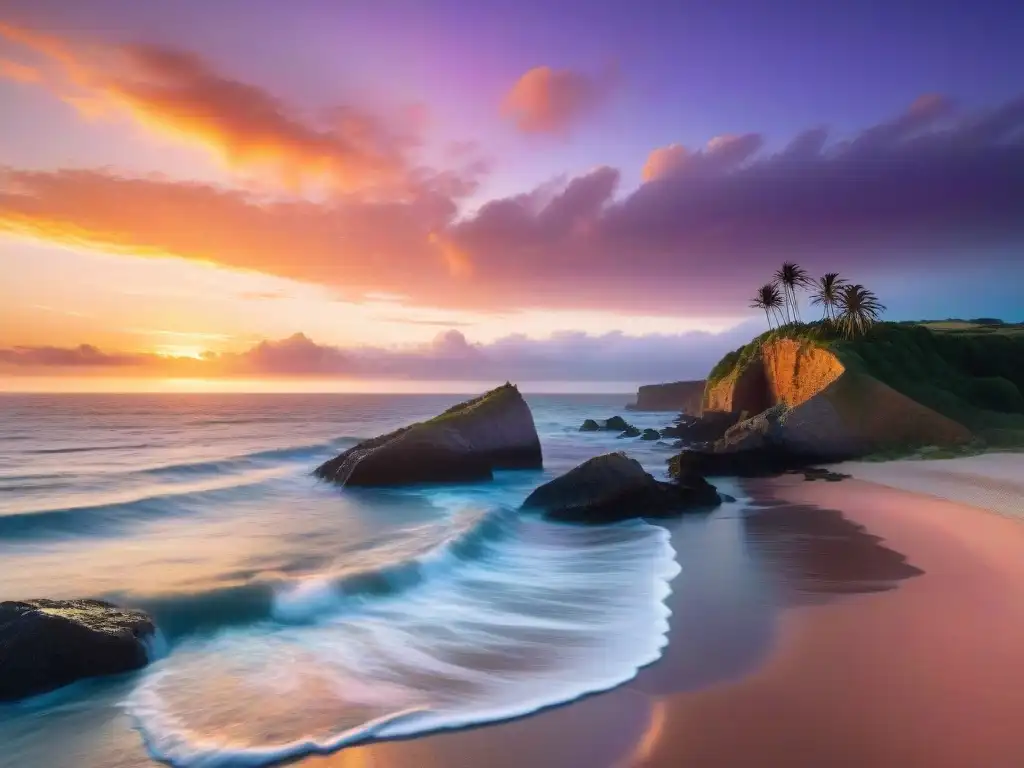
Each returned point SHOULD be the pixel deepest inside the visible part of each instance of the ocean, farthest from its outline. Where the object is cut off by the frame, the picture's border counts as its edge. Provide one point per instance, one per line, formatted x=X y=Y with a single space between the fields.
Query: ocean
x=296 y=617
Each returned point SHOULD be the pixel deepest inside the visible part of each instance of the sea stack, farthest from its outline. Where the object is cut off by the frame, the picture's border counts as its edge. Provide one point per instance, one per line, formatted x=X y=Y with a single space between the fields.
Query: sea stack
x=464 y=444
x=46 y=644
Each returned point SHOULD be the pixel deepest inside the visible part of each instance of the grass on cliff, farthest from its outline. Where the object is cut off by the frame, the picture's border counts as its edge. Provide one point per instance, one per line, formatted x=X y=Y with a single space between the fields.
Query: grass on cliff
x=970 y=371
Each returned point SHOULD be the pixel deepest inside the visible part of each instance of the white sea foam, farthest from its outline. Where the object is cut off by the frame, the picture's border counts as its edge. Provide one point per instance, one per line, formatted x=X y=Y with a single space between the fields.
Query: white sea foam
x=509 y=616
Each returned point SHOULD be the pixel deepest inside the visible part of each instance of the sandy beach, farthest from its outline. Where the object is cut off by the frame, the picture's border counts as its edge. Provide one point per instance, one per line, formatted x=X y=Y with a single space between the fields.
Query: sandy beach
x=838 y=624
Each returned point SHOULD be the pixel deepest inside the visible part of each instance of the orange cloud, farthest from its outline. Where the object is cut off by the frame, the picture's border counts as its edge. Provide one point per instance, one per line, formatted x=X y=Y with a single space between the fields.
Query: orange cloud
x=20 y=73
x=721 y=153
x=664 y=161
x=456 y=258
x=580 y=243
x=546 y=100
x=358 y=246
x=179 y=95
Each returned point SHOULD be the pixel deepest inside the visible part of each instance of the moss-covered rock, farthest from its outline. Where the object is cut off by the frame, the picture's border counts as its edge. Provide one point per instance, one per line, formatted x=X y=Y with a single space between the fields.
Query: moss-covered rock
x=465 y=443
x=46 y=644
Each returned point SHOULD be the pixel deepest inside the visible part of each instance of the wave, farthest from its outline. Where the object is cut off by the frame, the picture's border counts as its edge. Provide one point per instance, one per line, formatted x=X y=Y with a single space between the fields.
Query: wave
x=90 y=448
x=508 y=615
x=106 y=508
x=309 y=599
x=312 y=598
x=247 y=460
x=104 y=518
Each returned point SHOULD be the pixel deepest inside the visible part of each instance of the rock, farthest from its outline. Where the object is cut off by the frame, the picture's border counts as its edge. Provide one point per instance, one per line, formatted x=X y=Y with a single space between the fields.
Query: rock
x=465 y=443
x=615 y=487
x=650 y=434
x=630 y=431
x=590 y=426
x=820 y=473
x=683 y=396
x=760 y=431
x=705 y=428
x=617 y=424
x=756 y=462
x=46 y=644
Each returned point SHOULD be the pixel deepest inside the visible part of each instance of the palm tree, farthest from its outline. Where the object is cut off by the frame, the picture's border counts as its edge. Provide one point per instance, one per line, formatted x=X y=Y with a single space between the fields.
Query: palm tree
x=858 y=309
x=791 y=275
x=767 y=298
x=826 y=293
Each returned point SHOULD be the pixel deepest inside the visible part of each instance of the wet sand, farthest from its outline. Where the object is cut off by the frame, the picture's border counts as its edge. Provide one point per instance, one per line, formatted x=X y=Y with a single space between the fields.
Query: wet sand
x=836 y=624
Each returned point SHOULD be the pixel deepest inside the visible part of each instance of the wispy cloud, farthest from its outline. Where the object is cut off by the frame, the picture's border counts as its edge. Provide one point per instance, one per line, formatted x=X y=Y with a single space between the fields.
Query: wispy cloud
x=20 y=73
x=264 y=295
x=59 y=311
x=181 y=97
x=179 y=334
x=450 y=356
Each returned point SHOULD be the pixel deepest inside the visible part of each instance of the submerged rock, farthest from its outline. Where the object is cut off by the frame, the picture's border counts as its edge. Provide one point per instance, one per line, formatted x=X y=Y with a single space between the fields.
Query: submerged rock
x=630 y=431
x=46 y=644
x=650 y=434
x=614 y=487
x=590 y=426
x=465 y=443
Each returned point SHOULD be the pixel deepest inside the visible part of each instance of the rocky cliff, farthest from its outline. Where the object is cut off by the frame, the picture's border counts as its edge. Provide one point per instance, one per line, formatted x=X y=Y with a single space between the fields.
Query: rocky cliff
x=683 y=396
x=831 y=410
x=466 y=442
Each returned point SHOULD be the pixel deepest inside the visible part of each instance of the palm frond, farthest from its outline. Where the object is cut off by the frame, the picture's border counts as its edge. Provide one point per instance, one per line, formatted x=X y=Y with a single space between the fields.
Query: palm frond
x=859 y=309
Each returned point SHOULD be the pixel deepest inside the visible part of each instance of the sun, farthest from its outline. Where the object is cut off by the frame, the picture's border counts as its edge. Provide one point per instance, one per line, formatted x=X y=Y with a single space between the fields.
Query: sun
x=174 y=350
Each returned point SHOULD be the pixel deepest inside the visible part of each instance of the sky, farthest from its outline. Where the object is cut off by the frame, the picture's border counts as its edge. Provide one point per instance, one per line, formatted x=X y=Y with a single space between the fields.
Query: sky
x=388 y=194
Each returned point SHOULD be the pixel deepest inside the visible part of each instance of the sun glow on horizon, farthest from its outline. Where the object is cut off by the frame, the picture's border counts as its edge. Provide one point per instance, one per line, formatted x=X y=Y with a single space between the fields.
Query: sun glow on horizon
x=172 y=351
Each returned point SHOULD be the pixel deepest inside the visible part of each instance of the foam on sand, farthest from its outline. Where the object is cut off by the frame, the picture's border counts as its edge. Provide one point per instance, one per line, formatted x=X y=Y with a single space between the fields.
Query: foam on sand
x=508 y=616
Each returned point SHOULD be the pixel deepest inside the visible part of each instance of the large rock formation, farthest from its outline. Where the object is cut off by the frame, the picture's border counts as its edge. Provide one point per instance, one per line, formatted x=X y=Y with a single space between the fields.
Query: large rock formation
x=685 y=396
x=465 y=443
x=615 y=487
x=831 y=411
x=45 y=644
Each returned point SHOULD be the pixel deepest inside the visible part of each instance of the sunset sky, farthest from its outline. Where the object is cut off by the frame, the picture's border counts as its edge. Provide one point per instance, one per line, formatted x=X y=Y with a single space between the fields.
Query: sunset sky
x=399 y=194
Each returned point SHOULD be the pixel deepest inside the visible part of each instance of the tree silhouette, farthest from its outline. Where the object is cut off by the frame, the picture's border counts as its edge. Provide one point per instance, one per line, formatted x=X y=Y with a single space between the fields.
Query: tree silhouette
x=768 y=298
x=790 y=276
x=859 y=308
x=826 y=293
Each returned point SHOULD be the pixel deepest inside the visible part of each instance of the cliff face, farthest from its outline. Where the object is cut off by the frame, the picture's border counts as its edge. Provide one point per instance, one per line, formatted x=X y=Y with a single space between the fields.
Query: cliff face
x=683 y=396
x=832 y=411
x=466 y=442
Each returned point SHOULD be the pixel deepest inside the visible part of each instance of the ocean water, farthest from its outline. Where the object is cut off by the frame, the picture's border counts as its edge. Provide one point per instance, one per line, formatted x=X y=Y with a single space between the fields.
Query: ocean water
x=296 y=617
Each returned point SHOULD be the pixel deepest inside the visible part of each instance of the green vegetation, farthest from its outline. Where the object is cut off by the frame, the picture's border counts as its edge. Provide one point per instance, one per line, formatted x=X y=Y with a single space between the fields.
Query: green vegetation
x=461 y=408
x=971 y=372
x=974 y=378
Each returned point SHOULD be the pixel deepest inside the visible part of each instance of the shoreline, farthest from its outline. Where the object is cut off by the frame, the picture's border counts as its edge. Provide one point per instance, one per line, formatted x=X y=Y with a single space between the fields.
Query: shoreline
x=992 y=481
x=872 y=626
